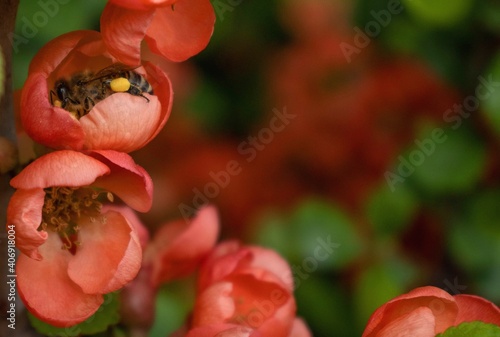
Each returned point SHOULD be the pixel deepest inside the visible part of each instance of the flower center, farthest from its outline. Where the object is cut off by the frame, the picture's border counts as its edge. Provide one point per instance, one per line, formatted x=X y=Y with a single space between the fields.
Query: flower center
x=64 y=206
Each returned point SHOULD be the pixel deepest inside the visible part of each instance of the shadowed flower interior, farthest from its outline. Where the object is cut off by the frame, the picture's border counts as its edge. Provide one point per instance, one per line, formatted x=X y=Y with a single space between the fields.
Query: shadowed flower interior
x=62 y=208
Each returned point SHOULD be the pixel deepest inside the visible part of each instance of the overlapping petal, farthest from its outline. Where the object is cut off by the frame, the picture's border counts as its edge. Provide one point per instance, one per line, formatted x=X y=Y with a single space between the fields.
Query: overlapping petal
x=175 y=30
x=121 y=121
x=427 y=311
x=179 y=247
x=236 y=287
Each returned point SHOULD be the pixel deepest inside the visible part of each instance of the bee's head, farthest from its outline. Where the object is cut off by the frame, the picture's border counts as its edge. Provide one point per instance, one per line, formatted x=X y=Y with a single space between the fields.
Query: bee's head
x=62 y=89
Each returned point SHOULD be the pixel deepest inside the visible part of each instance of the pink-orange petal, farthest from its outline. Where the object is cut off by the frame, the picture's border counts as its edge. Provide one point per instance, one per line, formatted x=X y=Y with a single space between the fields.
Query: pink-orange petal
x=142 y=4
x=270 y=260
x=183 y=31
x=123 y=30
x=300 y=329
x=133 y=219
x=475 y=308
x=46 y=124
x=223 y=330
x=163 y=90
x=214 y=305
x=178 y=247
x=25 y=213
x=55 y=51
x=439 y=301
x=121 y=122
x=60 y=168
x=109 y=256
x=127 y=180
x=418 y=323
x=47 y=290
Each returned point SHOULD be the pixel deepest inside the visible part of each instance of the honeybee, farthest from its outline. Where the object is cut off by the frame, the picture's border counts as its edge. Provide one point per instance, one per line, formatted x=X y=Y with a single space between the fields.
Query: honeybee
x=82 y=91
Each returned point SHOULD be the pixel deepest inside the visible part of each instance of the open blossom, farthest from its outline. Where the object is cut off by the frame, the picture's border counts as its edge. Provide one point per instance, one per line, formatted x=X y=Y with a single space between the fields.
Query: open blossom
x=74 y=250
x=66 y=105
x=243 y=291
x=174 y=29
x=427 y=311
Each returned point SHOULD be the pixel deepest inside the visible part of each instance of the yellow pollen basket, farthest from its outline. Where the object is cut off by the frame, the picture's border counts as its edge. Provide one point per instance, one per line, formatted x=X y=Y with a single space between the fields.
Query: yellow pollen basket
x=120 y=84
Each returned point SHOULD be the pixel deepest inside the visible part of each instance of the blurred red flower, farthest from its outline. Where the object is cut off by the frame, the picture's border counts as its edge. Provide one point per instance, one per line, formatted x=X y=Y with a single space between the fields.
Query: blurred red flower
x=243 y=291
x=428 y=311
x=73 y=251
x=121 y=121
x=174 y=29
x=179 y=246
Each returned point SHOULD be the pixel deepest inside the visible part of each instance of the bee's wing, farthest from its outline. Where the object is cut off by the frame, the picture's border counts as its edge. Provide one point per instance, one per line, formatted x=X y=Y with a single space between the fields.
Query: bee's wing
x=109 y=71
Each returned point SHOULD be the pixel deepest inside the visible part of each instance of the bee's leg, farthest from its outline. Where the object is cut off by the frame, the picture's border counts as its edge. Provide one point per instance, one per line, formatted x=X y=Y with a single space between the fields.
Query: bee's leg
x=52 y=93
x=88 y=103
x=136 y=92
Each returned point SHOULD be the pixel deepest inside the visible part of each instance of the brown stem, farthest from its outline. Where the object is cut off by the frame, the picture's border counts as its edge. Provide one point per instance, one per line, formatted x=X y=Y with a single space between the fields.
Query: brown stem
x=8 y=12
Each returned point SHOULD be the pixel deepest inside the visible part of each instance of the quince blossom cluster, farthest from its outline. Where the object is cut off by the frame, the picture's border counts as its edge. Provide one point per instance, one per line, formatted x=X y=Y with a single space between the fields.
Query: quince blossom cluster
x=71 y=206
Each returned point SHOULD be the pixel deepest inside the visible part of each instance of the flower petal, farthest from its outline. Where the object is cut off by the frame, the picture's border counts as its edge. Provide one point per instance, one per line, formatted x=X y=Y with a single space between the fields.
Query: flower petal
x=142 y=4
x=214 y=305
x=133 y=219
x=25 y=213
x=121 y=122
x=48 y=292
x=441 y=303
x=418 y=323
x=123 y=30
x=178 y=247
x=300 y=329
x=182 y=31
x=223 y=330
x=60 y=168
x=475 y=308
x=109 y=256
x=45 y=123
x=127 y=180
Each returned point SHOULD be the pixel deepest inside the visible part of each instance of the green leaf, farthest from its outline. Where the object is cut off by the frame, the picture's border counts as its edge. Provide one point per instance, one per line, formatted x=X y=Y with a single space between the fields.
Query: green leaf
x=491 y=105
x=439 y=12
x=325 y=306
x=316 y=236
x=320 y=226
x=106 y=315
x=173 y=303
x=380 y=283
x=472 y=329
x=391 y=211
x=451 y=166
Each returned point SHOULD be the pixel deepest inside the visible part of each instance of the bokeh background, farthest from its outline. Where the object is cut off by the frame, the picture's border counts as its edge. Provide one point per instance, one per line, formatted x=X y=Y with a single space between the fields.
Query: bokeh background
x=389 y=151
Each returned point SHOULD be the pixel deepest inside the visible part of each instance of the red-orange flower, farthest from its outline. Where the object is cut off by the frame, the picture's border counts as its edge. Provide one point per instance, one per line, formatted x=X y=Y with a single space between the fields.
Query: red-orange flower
x=243 y=291
x=427 y=311
x=179 y=247
x=121 y=121
x=174 y=29
x=72 y=251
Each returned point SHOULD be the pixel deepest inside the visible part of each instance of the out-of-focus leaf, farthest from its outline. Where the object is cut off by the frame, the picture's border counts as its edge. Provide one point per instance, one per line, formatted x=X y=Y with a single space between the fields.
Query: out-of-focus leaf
x=472 y=329
x=173 y=304
x=380 y=283
x=317 y=236
x=450 y=167
x=319 y=226
x=439 y=12
x=325 y=307
x=491 y=105
x=107 y=315
x=391 y=211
